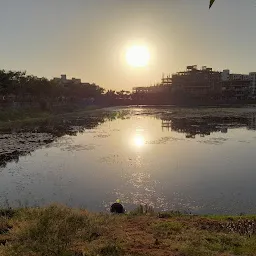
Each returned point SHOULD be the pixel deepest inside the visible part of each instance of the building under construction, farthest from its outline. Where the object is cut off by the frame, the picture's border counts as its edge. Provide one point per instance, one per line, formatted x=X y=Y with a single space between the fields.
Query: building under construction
x=197 y=82
x=166 y=80
x=204 y=83
x=155 y=89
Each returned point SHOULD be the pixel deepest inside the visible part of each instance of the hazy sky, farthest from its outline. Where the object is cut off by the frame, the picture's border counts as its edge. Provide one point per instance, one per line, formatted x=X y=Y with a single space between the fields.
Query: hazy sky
x=87 y=38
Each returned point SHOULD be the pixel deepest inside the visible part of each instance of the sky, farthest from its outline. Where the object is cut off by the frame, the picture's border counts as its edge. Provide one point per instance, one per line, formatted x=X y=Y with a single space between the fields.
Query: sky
x=88 y=39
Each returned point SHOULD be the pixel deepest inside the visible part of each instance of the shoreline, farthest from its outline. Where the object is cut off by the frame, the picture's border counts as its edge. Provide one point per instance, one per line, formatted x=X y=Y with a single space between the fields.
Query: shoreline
x=21 y=137
x=41 y=231
x=27 y=116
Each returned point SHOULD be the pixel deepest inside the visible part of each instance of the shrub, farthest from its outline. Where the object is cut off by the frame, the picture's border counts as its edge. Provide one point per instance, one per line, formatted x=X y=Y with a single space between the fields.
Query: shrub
x=50 y=231
x=4 y=226
x=143 y=210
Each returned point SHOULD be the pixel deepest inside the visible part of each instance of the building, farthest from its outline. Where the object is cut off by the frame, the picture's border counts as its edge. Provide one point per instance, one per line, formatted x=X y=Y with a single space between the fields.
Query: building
x=226 y=76
x=166 y=81
x=252 y=122
x=205 y=83
x=235 y=86
x=197 y=82
x=151 y=89
x=253 y=84
x=65 y=82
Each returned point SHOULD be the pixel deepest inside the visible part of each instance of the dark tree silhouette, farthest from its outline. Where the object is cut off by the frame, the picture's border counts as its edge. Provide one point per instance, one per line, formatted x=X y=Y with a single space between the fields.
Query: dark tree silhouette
x=22 y=87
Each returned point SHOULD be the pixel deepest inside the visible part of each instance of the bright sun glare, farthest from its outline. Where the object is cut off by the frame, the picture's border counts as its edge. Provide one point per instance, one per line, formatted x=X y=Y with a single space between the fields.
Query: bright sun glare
x=137 y=56
x=139 y=140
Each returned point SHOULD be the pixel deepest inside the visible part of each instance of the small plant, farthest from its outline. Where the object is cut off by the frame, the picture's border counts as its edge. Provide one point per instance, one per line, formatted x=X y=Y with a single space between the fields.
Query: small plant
x=169 y=214
x=143 y=210
x=4 y=225
x=8 y=213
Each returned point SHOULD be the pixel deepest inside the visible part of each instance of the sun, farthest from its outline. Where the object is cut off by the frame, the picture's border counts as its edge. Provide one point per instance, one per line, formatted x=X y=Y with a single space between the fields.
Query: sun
x=137 y=56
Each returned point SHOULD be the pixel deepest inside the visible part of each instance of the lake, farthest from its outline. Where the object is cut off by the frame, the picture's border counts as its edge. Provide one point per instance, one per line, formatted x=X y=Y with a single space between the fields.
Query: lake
x=198 y=160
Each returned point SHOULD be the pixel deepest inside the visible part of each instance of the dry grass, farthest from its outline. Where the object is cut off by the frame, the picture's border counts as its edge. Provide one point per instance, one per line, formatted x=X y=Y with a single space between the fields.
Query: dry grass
x=58 y=230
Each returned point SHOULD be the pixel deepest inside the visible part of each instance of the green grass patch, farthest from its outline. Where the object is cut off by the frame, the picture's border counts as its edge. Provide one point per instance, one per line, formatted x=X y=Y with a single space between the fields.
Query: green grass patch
x=22 y=114
x=18 y=117
x=51 y=231
x=167 y=228
x=58 y=230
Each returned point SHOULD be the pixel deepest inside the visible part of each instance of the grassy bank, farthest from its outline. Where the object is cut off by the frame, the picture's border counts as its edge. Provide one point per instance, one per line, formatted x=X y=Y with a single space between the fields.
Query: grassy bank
x=12 y=116
x=57 y=230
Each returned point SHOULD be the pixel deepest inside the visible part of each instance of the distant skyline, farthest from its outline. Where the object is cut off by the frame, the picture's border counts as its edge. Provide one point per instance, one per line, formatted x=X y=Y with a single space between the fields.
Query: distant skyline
x=87 y=39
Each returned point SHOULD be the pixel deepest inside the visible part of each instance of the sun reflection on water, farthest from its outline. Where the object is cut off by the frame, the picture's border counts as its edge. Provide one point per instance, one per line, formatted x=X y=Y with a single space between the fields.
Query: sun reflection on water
x=139 y=140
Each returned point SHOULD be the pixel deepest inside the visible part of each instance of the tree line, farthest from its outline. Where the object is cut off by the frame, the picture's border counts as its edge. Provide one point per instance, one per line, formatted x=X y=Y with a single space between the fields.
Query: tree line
x=23 y=87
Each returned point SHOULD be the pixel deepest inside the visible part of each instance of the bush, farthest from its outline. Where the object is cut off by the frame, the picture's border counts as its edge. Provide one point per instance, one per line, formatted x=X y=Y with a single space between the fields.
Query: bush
x=43 y=104
x=4 y=226
x=51 y=231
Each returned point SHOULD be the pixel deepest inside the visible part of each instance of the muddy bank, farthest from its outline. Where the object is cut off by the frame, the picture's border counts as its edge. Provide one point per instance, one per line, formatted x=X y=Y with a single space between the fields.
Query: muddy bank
x=14 y=145
x=22 y=139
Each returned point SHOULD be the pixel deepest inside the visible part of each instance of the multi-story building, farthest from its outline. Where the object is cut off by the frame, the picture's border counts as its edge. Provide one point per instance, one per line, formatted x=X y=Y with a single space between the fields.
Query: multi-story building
x=205 y=83
x=253 y=84
x=197 y=82
x=151 y=89
x=65 y=82
x=235 y=86
x=166 y=80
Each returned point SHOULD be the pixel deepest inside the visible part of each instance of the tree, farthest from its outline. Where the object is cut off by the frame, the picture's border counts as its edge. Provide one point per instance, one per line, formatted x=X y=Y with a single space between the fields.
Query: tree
x=211 y=3
x=10 y=81
x=31 y=88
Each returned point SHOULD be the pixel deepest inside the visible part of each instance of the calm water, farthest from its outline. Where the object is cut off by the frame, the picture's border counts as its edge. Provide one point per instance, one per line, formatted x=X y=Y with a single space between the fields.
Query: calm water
x=202 y=161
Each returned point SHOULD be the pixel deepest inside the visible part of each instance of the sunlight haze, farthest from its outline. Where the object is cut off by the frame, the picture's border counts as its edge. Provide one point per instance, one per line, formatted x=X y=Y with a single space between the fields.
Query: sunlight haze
x=137 y=56
x=88 y=39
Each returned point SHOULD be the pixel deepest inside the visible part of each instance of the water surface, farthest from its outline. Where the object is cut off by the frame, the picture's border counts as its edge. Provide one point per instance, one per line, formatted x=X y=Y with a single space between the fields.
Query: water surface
x=194 y=160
